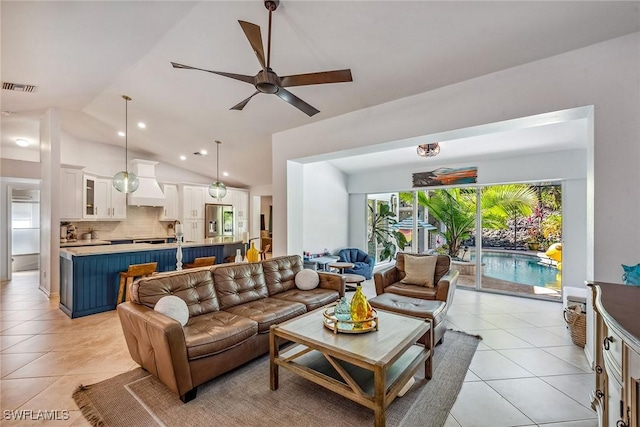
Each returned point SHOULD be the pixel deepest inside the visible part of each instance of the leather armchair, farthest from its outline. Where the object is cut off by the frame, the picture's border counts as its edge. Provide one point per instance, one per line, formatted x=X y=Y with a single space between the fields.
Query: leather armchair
x=445 y=279
x=363 y=262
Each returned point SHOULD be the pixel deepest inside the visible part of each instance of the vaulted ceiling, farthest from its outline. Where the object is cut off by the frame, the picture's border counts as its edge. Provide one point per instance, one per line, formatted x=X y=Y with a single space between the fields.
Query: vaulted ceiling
x=82 y=56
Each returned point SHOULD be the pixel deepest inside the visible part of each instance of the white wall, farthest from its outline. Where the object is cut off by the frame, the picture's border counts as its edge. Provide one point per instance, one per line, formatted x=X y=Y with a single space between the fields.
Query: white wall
x=50 y=202
x=19 y=169
x=325 y=210
x=606 y=75
x=538 y=167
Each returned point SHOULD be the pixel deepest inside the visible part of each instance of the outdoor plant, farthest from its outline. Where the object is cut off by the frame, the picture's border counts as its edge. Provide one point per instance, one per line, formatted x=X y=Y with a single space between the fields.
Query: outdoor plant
x=382 y=233
x=552 y=228
x=456 y=209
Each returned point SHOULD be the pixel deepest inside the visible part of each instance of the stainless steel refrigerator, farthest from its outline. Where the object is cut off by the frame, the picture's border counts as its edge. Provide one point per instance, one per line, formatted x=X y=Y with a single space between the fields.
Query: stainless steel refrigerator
x=218 y=220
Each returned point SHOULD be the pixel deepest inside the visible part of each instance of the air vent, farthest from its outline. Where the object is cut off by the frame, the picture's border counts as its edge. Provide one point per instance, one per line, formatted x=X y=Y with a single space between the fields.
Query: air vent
x=17 y=87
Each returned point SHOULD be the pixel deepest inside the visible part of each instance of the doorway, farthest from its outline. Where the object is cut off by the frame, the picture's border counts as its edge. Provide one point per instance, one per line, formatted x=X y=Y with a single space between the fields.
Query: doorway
x=25 y=229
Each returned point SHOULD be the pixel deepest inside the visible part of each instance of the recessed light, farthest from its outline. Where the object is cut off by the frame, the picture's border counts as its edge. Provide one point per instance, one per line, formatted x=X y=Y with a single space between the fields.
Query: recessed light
x=203 y=152
x=225 y=173
x=141 y=125
x=122 y=134
x=22 y=142
x=183 y=157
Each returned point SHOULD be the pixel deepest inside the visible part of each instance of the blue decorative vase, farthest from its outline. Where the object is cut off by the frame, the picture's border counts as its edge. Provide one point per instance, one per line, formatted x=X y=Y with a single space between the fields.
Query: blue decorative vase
x=343 y=310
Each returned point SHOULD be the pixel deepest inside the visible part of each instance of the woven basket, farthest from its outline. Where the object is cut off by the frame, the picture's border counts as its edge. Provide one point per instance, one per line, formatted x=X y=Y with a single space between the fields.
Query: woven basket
x=577 y=324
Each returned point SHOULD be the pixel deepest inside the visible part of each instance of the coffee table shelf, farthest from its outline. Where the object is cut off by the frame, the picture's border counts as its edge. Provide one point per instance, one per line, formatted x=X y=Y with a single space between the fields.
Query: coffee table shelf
x=369 y=369
x=315 y=360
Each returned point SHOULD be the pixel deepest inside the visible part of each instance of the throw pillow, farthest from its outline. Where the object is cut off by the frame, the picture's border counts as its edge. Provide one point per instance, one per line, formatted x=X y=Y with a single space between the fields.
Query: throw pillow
x=307 y=279
x=173 y=307
x=631 y=275
x=419 y=270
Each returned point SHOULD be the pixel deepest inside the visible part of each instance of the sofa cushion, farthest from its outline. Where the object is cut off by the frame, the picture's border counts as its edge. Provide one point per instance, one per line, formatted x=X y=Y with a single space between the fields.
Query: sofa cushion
x=412 y=291
x=442 y=265
x=419 y=270
x=195 y=287
x=268 y=311
x=312 y=299
x=239 y=283
x=280 y=273
x=215 y=332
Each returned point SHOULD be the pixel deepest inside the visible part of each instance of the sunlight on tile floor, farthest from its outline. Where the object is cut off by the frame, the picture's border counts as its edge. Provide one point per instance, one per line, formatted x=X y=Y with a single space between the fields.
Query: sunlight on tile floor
x=526 y=371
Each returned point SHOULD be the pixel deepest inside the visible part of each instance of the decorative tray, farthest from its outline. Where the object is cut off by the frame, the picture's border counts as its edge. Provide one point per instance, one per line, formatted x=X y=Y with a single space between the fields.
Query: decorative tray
x=349 y=326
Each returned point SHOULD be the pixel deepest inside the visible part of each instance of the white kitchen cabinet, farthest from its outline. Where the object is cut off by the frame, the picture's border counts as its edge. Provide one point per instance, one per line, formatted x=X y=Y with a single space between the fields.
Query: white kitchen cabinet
x=193 y=202
x=170 y=211
x=89 y=197
x=71 y=194
x=102 y=201
x=117 y=204
x=193 y=230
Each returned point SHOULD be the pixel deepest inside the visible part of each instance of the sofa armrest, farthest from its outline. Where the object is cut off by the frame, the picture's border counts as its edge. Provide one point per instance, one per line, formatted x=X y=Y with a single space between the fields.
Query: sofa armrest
x=334 y=281
x=156 y=342
x=446 y=287
x=384 y=278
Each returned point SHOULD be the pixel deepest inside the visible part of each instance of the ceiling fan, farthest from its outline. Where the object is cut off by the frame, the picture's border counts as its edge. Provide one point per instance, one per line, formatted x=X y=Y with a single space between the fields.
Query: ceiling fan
x=267 y=81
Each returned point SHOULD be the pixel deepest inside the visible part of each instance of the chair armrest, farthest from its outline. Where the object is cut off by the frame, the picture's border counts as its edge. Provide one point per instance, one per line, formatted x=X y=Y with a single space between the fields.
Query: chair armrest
x=156 y=342
x=334 y=281
x=446 y=287
x=384 y=278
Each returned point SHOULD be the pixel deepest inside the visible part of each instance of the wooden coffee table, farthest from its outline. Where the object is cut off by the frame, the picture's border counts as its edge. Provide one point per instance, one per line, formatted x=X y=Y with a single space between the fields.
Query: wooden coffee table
x=368 y=368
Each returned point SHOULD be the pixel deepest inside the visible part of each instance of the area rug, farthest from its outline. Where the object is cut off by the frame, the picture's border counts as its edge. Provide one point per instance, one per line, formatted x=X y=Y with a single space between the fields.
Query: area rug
x=243 y=398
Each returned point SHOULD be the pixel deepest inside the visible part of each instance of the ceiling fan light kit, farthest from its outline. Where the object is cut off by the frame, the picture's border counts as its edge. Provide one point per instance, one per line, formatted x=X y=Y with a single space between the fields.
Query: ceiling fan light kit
x=266 y=80
x=428 y=150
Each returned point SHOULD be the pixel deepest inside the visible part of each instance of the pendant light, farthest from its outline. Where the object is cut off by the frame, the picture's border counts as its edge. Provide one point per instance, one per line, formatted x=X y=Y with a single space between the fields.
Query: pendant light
x=218 y=190
x=125 y=181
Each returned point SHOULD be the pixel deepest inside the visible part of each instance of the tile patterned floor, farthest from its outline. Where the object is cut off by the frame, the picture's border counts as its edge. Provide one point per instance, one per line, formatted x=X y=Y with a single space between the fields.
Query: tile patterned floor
x=526 y=371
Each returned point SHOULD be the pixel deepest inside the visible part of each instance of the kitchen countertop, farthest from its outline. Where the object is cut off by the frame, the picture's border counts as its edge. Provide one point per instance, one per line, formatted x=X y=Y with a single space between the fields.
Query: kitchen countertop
x=138 y=247
x=92 y=242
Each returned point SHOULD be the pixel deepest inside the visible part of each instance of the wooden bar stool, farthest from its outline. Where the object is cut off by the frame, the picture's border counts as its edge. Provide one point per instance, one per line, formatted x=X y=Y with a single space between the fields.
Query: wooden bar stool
x=201 y=262
x=263 y=253
x=134 y=271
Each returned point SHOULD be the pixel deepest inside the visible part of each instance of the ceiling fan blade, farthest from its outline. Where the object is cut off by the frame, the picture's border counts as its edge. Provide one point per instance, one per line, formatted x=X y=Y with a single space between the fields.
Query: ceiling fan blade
x=252 y=31
x=337 y=76
x=241 y=77
x=239 y=106
x=297 y=102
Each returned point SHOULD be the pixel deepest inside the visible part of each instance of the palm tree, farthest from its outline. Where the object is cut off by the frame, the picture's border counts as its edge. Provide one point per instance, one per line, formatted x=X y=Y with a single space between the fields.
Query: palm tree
x=456 y=209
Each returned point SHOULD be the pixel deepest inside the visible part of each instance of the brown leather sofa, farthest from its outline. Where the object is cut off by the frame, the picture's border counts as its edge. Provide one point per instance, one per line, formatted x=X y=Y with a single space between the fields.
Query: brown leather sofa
x=231 y=307
x=388 y=281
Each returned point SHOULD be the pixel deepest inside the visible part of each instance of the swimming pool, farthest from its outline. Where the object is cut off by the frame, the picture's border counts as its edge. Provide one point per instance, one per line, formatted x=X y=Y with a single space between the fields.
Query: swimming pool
x=519 y=268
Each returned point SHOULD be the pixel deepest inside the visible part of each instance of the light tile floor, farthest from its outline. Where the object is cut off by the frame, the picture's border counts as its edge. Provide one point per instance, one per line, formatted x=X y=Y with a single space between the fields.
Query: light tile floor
x=526 y=371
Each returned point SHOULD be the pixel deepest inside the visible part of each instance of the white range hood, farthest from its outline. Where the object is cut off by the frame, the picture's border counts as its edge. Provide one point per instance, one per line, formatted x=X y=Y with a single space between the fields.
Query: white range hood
x=148 y=192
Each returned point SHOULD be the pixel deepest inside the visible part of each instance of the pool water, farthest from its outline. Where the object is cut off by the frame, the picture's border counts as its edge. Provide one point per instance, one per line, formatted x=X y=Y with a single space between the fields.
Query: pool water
x=521 y=269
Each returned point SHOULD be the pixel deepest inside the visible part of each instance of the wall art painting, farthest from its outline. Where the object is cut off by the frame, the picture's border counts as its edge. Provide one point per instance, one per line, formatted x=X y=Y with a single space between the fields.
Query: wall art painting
x=445 y=176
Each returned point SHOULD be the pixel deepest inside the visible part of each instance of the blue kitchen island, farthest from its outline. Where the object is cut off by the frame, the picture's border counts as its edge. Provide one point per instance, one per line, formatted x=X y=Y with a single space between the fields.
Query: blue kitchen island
x=90 y=276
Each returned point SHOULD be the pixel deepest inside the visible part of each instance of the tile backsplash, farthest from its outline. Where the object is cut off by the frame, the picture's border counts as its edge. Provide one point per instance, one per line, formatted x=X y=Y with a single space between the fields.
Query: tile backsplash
x=141 y=222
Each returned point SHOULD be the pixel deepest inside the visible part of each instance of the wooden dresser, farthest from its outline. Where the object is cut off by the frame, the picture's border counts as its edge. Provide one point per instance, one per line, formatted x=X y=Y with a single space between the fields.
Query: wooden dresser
x=616 y=397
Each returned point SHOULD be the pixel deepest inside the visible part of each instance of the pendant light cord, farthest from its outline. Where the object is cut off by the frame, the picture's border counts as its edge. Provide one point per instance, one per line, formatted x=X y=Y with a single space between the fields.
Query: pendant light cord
x=126 y=136
x=218 y=161
x=126 y=133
